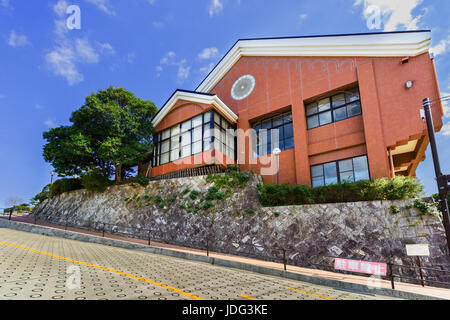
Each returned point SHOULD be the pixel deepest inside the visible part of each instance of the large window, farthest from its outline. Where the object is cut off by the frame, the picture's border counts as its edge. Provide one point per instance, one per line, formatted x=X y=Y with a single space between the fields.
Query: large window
x=274 y=132
x=202 y=133
x=349 y=170
x=335 y=108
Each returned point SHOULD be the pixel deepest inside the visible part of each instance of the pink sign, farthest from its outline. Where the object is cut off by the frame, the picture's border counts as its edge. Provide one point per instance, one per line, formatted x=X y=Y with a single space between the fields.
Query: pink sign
x=375 y=268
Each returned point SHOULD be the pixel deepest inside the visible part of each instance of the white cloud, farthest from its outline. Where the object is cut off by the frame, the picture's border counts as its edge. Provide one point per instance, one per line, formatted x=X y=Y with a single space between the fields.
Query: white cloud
x=104 y=5
x=17 y=40
x=215 y=7
x=183 y=72
x=445 y=131
x=302 y=16
x=5 y=3
x=85 y=52
x=208 y=53
x=207 y=68
x=441 y=47
x=106 y=48
x=50 y=123
x=395 y=13
x=446 y=104
x=131 y=56
x=170 y=60
x=62 y=61
x=157 y=24
x=68 y=53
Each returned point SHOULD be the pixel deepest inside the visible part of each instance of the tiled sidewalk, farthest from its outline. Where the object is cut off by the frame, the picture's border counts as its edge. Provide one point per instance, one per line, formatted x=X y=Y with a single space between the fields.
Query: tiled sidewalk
x=430 y=291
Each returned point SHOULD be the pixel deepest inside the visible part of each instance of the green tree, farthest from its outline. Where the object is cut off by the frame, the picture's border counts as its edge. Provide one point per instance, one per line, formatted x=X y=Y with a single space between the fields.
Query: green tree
x=112 y=130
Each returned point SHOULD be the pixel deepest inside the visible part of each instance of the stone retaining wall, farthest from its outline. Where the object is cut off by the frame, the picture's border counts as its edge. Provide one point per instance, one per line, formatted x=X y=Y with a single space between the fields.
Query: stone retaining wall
x=309 y=234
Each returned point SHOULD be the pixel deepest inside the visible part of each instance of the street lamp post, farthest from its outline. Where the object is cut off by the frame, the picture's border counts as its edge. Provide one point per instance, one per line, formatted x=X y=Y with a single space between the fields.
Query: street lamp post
x=442 y=180
x=277 y=152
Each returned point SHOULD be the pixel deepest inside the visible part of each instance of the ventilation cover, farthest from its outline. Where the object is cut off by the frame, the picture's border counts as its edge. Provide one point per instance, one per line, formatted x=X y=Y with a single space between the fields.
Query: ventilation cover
x=243 y=87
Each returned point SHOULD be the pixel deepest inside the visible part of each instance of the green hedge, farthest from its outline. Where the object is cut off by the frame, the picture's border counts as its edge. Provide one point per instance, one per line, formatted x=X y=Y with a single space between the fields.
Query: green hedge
x=366 y=190
x=64 y=185
x=95 y=181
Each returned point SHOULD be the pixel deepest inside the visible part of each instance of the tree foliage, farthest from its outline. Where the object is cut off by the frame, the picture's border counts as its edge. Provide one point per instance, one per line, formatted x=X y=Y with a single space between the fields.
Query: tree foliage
x=112 y=128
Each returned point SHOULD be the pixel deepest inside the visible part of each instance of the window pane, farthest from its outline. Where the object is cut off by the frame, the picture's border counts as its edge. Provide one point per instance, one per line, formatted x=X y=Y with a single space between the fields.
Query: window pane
x=346 y=165
x=175 y=130
x=340 y=114
x=197 y=134
x=352 y=95
x=207 y=117
x=175 y=142
x=277 y=134
x=317 y=171
x=313 y=122
x=230 y=141
x=217 y=118
x=311 y=109
x=338 y=100
x=197 y=121
x=197 y=147
x=266 y=124
x=165 y=158
x=361 y=168
x=317 y=182
x=277 y=121
x=347 y=176
x=185 y=126
x=217 y=132
x=207 y=145
x=324 y=104
x=354 y=109
x=325 y=118
x=207 y=131
x=186 y=151
x=186 y=138
x=288 y=143
x=174 y=154
x=165 y=146
x=218 y=145
x=330 y=173
x=257 y=127
x=166 y=134
x=287 y=117
x=288 y=130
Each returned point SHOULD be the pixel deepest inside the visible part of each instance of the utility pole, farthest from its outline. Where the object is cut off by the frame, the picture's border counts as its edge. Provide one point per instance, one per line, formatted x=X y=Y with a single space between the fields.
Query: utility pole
x=442 y=180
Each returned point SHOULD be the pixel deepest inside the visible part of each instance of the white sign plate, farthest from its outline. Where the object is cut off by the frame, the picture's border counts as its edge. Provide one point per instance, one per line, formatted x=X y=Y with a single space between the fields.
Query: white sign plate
x=417 y=250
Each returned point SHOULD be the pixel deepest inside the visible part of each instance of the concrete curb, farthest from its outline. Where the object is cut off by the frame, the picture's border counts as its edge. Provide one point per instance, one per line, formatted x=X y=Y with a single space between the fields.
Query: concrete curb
x=48 y=231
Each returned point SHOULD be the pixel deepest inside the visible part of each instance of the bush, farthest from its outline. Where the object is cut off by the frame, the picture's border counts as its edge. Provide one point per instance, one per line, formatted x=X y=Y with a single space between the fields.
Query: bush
x=95 y=181
x=142 y=180
x=64 y=185
x=398 y=188
x=43 y=195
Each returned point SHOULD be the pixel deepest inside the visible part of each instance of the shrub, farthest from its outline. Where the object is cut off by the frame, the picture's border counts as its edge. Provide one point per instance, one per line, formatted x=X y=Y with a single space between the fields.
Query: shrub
x=207 y=205
x=43 y=195
x=142 y=180
x=95 y=181
x=194 y=194
x=64 y=185
x=398 y=188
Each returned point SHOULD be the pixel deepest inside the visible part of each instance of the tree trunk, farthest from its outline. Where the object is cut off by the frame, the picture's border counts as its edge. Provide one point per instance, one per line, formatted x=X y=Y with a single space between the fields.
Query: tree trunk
x=119 y=173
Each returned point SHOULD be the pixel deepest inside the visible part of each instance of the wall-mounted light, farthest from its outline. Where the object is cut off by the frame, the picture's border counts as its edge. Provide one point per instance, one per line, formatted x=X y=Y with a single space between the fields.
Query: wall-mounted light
x=409 y=84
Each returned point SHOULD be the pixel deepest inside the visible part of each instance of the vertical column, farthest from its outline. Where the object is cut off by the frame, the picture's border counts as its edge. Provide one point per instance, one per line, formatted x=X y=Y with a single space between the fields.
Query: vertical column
x=373 y=123
x=302 y=170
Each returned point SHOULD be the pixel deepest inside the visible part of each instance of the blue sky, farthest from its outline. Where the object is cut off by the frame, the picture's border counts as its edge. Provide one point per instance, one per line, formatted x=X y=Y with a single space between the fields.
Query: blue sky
x=152 y=47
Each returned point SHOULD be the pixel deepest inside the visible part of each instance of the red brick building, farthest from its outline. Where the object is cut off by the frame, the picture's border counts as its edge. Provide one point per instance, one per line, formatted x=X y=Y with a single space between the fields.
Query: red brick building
x=339 y=107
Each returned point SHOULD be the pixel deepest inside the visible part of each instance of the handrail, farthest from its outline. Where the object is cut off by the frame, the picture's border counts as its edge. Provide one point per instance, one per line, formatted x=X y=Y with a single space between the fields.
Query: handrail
x=208 y=242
